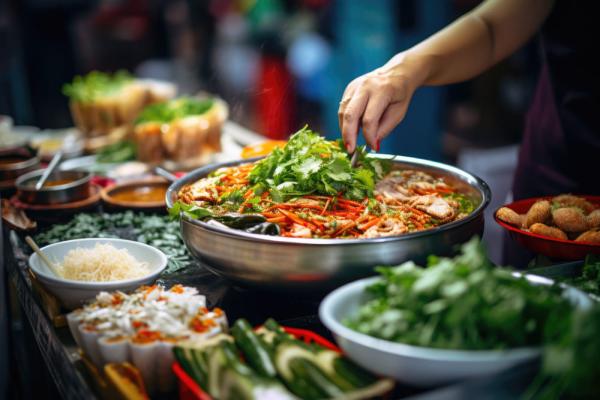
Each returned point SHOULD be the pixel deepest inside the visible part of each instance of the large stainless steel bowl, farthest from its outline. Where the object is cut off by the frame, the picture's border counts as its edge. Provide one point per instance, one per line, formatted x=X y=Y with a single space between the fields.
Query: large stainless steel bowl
x=321 y=264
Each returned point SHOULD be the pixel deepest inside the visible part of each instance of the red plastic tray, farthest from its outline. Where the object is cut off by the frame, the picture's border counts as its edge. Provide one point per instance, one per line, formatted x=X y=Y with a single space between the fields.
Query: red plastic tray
x=190 y=390
x=550 y=247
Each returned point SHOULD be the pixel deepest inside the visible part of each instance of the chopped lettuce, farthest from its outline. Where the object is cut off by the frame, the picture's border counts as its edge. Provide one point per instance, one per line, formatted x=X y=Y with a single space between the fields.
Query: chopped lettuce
x=174 y=109
x=95 y=85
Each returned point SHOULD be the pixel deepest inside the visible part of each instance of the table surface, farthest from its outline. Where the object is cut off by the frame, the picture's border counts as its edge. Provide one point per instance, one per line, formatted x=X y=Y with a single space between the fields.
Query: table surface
x=64 y=363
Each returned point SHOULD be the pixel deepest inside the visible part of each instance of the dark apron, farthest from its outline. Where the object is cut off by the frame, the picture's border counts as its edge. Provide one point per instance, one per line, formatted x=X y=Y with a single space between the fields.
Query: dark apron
x=561 y=144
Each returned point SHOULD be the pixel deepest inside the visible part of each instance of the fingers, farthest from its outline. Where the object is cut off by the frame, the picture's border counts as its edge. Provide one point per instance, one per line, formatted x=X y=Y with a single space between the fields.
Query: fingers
x=346 y=97
x=392 y=116
x=351 y=118
x=374 y=110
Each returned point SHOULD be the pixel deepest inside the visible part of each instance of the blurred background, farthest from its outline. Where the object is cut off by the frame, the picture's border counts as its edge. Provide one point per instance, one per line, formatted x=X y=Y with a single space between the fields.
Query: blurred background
x=279 y=64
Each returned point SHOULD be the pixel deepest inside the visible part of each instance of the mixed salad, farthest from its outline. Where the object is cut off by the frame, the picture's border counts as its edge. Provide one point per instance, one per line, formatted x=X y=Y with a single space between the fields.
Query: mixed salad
x=309 y=189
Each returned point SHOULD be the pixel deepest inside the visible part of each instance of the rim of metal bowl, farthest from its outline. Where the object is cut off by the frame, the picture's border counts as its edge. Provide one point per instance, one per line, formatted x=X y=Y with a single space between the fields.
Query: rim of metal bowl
x=26 y=163
x=472 y=180
x=86 y=176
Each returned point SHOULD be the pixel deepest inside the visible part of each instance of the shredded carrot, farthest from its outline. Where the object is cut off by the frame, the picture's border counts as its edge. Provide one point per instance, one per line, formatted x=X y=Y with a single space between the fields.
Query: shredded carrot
x=369 y=224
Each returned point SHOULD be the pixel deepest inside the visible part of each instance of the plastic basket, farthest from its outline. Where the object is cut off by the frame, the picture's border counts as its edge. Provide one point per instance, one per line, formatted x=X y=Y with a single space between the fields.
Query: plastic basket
x=190 y=390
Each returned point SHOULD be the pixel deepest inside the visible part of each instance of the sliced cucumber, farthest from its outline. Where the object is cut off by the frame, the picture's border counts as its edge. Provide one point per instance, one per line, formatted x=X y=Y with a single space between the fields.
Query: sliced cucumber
x=217 y=363
x=316 y=377
x=255 y=350
x=377 y=389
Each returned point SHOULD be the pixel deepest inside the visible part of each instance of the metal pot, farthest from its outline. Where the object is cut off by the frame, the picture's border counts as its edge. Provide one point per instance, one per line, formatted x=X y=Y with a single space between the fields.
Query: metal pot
x=77 y=187
x=15 y=162
x=321 y=264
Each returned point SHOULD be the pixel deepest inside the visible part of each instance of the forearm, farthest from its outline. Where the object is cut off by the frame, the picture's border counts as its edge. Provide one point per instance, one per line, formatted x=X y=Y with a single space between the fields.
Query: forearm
x=473 y=43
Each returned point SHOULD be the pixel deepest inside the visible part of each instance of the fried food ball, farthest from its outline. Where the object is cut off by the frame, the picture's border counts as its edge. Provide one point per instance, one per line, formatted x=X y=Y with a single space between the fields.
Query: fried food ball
x=592 y=236
x=568 y=200
x=539 y=212
x=570 y=219
x=510 y=216
x=593 y=219
x=545 y=230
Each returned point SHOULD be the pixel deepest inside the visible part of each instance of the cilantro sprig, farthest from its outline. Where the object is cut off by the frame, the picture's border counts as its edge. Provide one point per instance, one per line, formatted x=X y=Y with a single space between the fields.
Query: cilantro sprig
x=311 y=164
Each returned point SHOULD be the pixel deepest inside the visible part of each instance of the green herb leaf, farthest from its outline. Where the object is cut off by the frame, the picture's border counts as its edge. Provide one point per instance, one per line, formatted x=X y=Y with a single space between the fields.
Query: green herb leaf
x=311 y=164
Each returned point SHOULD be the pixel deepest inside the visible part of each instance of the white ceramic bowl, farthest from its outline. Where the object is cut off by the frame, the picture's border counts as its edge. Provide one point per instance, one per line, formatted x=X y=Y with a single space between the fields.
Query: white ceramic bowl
x=415 y=365
x=73 y=293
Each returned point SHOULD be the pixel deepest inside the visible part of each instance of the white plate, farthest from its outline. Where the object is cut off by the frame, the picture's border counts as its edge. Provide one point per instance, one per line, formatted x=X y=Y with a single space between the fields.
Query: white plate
x=420 y=366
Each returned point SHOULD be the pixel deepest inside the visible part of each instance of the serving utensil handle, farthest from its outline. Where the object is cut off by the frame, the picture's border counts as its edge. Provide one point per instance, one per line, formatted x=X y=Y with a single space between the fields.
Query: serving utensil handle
x=49 y=169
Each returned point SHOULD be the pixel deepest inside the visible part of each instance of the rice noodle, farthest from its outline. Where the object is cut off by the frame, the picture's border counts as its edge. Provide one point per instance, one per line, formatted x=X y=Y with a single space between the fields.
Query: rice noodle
x=102 y=263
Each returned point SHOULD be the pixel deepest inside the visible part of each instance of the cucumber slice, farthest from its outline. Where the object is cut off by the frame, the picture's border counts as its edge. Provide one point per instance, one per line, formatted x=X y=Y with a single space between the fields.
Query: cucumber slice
x=255 y=350
x=217 y=363
x=377 y=389
x=316 y=377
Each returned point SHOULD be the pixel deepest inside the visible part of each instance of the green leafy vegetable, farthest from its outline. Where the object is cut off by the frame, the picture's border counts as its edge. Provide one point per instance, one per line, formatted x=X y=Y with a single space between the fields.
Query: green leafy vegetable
x=155 y=230
x=96 y=85
x=589 y=280
x=465 y=204
x=117 y=152
x=174 y=109
x=190 y=210
x=466 y=303
x=311 y=164
x=458 y=303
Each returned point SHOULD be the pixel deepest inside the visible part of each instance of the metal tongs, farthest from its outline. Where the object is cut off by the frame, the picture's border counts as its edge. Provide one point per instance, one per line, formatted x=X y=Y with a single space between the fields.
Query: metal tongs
x=354 y=158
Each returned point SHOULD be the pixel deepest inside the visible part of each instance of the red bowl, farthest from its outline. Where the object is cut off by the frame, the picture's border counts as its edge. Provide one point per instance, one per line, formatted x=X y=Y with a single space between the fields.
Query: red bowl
x=550 y=247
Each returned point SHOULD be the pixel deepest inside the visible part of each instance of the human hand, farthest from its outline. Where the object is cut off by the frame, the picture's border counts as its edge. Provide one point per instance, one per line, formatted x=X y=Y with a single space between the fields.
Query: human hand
x=377 y=102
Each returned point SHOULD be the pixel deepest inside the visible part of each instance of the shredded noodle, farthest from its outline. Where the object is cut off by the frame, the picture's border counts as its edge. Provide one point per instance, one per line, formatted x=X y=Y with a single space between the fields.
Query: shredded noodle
x=102 y=263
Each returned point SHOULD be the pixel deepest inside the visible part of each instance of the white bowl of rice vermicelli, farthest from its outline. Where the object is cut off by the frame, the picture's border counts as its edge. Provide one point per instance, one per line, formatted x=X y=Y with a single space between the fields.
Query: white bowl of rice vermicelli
x=88 y=266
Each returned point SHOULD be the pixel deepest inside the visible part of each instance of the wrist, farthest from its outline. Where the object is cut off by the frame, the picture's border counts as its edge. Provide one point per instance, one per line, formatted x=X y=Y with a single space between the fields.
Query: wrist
x=415 y=67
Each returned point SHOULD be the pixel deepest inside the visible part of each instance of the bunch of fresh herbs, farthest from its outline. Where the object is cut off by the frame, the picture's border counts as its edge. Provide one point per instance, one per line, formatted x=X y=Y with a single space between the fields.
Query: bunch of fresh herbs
x=95 y=84
x=311 y=164
x=457 y=303
x=155 y=230
x=466 y=303
x=174 y=109
x=117 y=152
x=589 y=281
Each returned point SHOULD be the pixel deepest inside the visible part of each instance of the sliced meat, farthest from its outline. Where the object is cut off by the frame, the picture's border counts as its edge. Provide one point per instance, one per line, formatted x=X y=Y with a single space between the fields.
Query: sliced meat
x=386 y=227
x=300 y=231
x=391 y=187
x=435 y=206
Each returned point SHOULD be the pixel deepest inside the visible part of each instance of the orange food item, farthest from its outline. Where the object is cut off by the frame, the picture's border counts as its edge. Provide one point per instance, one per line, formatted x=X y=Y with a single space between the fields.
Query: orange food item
x=262 y=149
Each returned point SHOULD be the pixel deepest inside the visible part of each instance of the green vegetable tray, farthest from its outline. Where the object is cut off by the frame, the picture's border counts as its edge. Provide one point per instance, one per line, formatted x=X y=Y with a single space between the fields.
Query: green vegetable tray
x=190 y=390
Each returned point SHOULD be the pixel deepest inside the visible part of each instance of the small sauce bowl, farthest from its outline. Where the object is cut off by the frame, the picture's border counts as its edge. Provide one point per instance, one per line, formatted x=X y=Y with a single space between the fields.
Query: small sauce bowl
x=60 y=187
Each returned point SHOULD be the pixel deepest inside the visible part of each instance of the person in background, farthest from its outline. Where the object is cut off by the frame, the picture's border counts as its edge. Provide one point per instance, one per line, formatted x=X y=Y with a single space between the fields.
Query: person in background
x=561 y=144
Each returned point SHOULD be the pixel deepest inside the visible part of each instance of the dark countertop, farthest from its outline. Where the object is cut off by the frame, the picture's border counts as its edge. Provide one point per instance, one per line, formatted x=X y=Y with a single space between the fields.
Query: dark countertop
x=64 y=364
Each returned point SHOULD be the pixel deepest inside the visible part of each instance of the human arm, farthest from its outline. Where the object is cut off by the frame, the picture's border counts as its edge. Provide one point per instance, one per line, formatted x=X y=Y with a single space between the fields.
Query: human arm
x=378 y=100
